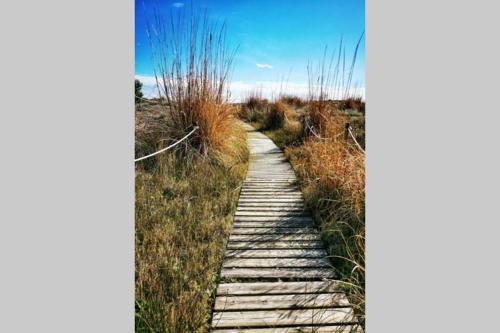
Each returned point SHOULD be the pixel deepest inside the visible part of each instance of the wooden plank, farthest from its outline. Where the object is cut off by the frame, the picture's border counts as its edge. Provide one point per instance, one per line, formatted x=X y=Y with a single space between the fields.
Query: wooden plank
x=296 y=329
x=266 y=318
x=285 y=253
x=276 y=262
x=271 y=200
x=269 y=195
x=296 y=200
x=271 y=213
x=271 y=178
x=278 y=288
x=269 y=184
x=277 y=273
x=275 y=245
x=271 y=205
x=288 y=194
x=307 y=219
x=261 y=302
x=270 y=190
x=273 y=238
x=271 y=224
x=242 y=208
x=272 y=181
x=270 y=231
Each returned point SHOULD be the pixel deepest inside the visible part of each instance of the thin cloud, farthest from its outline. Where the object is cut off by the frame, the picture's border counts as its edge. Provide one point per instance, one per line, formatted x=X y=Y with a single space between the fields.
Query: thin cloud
x=178 y=4
x=264 y=66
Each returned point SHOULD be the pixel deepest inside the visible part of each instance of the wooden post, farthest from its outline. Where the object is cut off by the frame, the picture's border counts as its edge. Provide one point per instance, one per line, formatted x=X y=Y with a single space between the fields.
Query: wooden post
x=346 y=132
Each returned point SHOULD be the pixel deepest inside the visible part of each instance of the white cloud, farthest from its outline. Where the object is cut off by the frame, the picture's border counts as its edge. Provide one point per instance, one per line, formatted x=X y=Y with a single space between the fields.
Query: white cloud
x=148 y=85
x=146 y=80
x=239 y=90
x=178 y=4
x=264 y=66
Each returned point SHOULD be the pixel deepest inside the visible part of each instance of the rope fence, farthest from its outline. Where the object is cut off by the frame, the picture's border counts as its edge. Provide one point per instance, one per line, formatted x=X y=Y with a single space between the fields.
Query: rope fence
x=349 y=131
x=167 y=148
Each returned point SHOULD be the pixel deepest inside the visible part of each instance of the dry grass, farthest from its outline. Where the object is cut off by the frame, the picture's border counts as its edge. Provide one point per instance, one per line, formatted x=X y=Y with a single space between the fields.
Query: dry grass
x=184 y=210
x=355 y=103
x=293 y=100
x=252 y=107
x=332 y=174
x=186 y=197
x=274 y=118
x=192 y=63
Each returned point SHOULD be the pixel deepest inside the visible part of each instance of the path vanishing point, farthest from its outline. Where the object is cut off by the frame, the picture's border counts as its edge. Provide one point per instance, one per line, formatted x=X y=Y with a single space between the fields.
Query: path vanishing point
x=275 y=275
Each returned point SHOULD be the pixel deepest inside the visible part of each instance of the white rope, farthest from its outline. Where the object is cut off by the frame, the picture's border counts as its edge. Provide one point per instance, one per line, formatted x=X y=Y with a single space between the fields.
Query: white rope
x=167 y=148
x=355 y=141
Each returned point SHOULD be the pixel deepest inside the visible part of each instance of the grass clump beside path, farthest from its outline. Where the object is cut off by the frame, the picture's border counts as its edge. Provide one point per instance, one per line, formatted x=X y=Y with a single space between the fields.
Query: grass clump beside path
x=183 y=217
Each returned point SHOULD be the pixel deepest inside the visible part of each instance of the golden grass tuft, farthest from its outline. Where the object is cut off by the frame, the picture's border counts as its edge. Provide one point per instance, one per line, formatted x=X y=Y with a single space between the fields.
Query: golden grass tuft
x=274 y=118
x=332 y=173
x=192 y=63
x=295 y=101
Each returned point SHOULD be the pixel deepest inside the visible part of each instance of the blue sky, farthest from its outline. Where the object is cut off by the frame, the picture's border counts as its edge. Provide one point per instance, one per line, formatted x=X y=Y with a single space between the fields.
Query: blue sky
x=276 y=39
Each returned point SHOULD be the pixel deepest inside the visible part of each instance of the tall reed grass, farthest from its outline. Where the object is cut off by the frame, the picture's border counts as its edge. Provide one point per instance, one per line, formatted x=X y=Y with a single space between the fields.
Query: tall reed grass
x=185 y=197
x=192 y=64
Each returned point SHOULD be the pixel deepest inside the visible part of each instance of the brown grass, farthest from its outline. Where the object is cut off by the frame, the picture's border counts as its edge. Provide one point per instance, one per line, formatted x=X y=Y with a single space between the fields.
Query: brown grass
x=293 y=101
x=252 y=107
x=274 y=118
x=185 y=197
x=192 y=63
x=183 y=215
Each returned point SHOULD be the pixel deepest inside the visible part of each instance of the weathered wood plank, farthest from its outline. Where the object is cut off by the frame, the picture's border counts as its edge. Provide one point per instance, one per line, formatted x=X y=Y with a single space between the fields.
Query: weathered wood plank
x=296 y=329
x=292 y=202
x=270 y=231
x=269 y=184
x=269 y=190
x=277 y=273
x=263 y=201
x=271 y=213
x=275 y=262
x=261 y=302
x=285 y=181
x=273 y=238
x=285 y=208
x=271 y=177
x=271 y=224
x=271 y=196
x=275 y=245
x=294 y=194
x=273 y=218
x=278 y=288
x=295 y=253
x=266 y=318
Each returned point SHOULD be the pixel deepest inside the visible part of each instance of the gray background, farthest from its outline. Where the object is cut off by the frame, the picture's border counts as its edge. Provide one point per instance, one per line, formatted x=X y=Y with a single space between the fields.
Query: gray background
x=67 y=173
x=67 y=170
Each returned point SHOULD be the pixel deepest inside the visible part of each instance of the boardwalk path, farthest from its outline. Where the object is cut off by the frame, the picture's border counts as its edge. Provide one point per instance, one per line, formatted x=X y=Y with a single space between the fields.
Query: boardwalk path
x=275 y=277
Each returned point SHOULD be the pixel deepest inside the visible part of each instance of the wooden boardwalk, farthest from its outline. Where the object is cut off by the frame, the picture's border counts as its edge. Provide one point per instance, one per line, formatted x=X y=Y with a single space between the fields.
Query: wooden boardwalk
x=275 y=277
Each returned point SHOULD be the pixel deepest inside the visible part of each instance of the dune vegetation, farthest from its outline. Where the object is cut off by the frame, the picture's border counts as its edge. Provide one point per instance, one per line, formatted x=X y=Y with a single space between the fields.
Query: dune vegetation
x=186 y=196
